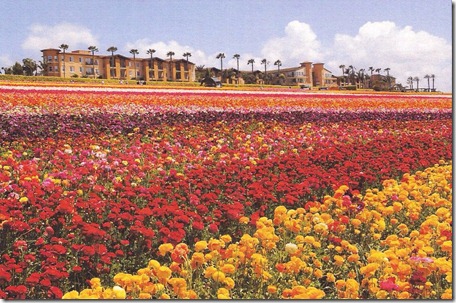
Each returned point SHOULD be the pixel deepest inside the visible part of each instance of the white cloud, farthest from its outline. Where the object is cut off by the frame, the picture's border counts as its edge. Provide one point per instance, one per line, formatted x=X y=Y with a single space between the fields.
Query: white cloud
x=405 y=51
x=46 y=36
x=299 y=44
x=5 y=61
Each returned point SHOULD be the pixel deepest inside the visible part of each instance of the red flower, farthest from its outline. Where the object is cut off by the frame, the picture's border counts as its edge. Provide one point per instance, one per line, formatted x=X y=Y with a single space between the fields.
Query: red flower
x=389 y=284
x=4 y=275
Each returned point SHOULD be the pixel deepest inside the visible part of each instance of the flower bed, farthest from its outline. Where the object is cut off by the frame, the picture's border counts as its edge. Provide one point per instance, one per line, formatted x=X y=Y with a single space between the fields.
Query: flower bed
x=92 y=183
x=393 y=243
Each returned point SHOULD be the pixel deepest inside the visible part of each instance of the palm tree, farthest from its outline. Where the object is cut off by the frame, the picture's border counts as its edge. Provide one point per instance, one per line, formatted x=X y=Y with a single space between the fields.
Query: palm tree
x=265 y=62
x=151 y=52
x=134 y=52
x=417 y=83
x=93 y=49
x=221 y=56
x=410 y=81
x=342 y=67
x=361 y=75
x=279 y=64
x=186 y=55
x=112 y=49
x=352 y=74
x=237 y=56
x=388 y=77
x=371 y=69
x=433 y=77
x=170 y=54
x=251 y=61
x=378 y=70
x=64 y=47
x=429 y=85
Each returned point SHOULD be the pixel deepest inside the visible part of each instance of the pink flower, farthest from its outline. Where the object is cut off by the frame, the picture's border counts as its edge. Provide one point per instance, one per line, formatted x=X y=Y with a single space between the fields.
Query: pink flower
x=389 y=284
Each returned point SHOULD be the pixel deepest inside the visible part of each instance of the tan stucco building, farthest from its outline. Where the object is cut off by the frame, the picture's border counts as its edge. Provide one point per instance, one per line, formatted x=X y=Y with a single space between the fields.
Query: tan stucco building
x=83 y=64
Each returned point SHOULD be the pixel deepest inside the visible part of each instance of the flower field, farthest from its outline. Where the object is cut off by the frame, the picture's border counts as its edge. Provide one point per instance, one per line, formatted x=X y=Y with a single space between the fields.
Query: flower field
x=260 y=195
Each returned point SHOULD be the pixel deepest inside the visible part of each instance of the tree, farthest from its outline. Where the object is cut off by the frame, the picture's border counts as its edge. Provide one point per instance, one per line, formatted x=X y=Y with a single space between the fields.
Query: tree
x=134 y=52
x=352 y=74
x=388 y=77
x=17 y=69
x=342 y=67
x=251 y=61
x=93 y=49
x=361 y=75
x=151 y=52
x=417 y=83
x=410 y=81
x=221 y=56
x=170 y=54
x=433 y=77
x=64 y=47
x=237 y=56
x=371 y=69
x=186 y=55
x=265 y=62
x=429 y=85
x=279 y=64
x=112 y=49
x=29 y=66
x=378 y=70
x=43 y=66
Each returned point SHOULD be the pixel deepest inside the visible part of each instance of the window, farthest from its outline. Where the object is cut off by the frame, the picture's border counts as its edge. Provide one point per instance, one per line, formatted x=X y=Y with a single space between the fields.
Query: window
x=80 y=59
x=56 y=59
x=72 y=69
x=71 y=58
x=96 y=71
x=137 y=65
x=56 y=68
x=50 y=58
x=81 y=70
x=50 y=68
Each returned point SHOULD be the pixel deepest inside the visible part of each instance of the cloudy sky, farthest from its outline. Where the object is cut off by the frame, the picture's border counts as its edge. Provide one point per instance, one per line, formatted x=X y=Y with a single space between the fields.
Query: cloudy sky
x=412 y=38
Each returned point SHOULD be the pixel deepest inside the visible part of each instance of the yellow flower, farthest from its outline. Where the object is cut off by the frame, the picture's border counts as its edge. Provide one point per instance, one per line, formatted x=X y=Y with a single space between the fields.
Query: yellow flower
x=228 y=268
x=355 y=222
x=369 y=269
x=163 y=273
x=209 y=271
x=119 y=292
x=244 y=220
x=23 y=200
x=447 y=246
x=229 y=283
x=71 y=295
x=339 y=260
x=165 y=248
x=226 y=238
x=447 y=295
x=330 y=277
x=223 y=293
x=153 y=264
x=353 y=258
x=200 y=245
x=382 y=294
x=272 y=289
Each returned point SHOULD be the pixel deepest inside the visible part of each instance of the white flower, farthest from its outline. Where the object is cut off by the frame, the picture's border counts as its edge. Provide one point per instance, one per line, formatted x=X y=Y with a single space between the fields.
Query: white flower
x=291 y=248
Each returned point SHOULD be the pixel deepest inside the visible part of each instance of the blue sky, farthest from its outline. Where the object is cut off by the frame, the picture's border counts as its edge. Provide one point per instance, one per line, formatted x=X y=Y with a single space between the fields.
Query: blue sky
x=412 y=38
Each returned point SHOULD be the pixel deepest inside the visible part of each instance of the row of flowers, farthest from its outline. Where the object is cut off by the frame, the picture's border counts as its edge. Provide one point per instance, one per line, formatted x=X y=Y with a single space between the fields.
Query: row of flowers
x=332 y=250
x=78 y=202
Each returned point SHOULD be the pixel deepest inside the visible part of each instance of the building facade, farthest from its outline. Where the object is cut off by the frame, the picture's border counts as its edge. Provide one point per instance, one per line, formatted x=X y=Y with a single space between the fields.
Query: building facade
x=308 y=75
x=82 y=63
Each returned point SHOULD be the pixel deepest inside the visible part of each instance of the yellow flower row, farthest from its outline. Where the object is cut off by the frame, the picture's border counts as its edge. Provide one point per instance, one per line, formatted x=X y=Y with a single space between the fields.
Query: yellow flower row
x=393 y=243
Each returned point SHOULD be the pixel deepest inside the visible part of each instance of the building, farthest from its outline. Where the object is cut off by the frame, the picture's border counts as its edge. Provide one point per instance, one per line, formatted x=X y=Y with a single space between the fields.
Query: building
x=307 y=75
x=82 y=63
